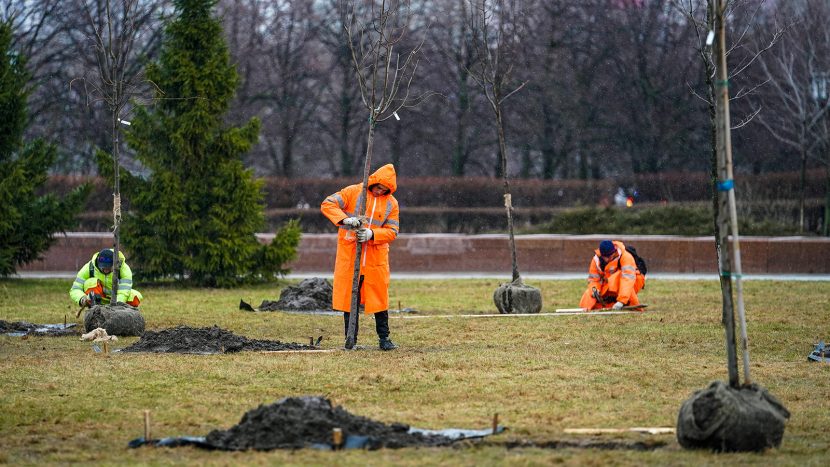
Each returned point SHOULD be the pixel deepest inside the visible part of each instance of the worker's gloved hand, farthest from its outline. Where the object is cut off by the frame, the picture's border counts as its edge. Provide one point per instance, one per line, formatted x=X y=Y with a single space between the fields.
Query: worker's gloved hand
x=618 y=306
x=353 y=222
x=84 y=301
x=364 y=235
x=94 y=299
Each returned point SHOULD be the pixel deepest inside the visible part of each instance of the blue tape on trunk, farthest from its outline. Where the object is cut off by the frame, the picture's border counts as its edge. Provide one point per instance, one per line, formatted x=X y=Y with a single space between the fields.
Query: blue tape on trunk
x=726 y=185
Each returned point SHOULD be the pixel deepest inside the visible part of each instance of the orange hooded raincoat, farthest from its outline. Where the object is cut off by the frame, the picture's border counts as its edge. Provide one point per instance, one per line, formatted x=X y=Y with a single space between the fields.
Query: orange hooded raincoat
x=374 y=264
x=618 y=281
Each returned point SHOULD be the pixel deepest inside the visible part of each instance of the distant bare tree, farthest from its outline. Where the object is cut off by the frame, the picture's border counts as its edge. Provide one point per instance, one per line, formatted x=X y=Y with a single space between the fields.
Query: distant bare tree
x=497 y=38
x=794 y=106
x=277 y=49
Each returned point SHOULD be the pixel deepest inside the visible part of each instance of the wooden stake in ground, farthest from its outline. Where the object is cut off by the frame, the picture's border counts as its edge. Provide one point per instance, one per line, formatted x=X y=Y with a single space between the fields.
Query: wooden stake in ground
x=337 y=437
x=727 y=211
x=146 y=425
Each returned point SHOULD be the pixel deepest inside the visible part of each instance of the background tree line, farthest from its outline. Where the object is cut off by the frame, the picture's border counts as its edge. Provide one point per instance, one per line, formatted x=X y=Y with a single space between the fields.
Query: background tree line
x=613 y=87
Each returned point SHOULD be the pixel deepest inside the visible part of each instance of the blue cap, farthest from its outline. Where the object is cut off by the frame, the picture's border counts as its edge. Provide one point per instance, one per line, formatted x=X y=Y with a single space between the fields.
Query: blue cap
x=607 y=248
x=104 y=258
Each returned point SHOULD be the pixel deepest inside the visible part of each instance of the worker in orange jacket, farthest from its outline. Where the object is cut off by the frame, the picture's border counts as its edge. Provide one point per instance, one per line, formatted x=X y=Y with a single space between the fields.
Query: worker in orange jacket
x=614 y=275
x=376 y=228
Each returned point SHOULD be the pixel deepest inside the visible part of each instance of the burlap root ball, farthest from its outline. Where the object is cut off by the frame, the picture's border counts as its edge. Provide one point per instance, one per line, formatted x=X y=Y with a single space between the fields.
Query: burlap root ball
x=118 y=320
x=725 y=419
x=516 y=297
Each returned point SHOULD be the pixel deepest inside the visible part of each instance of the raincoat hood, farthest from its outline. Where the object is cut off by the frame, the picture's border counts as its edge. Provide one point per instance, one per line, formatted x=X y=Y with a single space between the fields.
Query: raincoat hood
x=386 y=176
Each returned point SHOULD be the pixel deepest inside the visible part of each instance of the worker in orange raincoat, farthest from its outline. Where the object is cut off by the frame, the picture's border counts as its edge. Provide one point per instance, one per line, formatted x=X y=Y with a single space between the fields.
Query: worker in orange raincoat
x=380 y=229
x=613 y=273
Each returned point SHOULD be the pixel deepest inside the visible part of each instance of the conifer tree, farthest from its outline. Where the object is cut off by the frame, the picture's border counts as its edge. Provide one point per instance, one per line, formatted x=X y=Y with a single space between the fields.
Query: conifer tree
x=27 y=221
x=195 y=215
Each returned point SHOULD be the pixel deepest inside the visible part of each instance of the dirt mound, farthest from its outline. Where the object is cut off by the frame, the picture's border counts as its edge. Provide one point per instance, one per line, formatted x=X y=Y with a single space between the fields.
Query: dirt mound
x=22 y=328
x=298 y=422
x=184 y=339
x=313 y=294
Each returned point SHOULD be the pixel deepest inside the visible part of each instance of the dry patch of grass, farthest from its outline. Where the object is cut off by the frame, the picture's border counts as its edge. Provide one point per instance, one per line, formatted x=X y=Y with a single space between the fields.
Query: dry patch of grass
x=61 y=402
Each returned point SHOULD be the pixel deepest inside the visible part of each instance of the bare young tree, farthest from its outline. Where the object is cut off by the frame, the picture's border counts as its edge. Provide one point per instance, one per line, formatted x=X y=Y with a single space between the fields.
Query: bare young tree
x=384 y=76
x=497 y=35
x=495 y=28
x=715 y=14
x=114 y=31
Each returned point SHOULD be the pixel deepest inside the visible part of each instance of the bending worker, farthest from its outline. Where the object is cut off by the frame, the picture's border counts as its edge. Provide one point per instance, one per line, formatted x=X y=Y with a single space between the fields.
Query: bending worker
x=93 y=285
x=376 y=228
x=613 y=277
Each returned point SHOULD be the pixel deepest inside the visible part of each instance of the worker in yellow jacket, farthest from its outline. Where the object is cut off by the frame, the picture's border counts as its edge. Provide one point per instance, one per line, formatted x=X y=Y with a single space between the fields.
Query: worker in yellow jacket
x=93 y=284
x=376 y=228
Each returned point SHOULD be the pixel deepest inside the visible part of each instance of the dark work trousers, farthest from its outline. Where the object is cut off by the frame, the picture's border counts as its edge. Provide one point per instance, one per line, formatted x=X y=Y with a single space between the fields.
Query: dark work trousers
x=381 y=324
x=381 y=320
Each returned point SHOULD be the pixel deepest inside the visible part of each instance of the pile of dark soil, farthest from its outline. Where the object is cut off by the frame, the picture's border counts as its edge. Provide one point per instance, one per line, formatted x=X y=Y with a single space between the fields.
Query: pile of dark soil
x=313 y=294
x=23 y=328
x=184 y=339
x=298 y=422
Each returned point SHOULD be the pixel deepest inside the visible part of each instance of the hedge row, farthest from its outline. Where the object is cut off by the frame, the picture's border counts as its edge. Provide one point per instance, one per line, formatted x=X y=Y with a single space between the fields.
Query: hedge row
x=686 y=219
x=281 y=193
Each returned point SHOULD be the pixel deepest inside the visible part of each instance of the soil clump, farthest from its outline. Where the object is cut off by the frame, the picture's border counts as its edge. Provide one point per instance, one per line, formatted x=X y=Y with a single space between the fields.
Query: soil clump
x=209 y=340
x=24 y=328
x=298 y=422
x=313 y=294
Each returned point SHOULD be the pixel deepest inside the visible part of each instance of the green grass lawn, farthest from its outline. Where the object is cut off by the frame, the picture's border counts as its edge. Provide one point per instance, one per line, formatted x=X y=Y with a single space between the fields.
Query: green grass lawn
x=60 y=402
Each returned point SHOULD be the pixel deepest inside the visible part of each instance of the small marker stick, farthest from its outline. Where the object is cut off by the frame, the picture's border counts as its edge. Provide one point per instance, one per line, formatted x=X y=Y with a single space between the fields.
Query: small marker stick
x=146 y=425
x=106 y=348
x=337 y=437
x=64 y=320
x=495 y=422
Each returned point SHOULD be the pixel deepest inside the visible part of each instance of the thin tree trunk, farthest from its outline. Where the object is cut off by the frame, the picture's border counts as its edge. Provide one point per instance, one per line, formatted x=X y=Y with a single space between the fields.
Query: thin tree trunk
x=354 y=308
x=826 y=229
x=803 y=189
x=508 y=203
x=725 y=266
x=727 y=212
x=287 y=150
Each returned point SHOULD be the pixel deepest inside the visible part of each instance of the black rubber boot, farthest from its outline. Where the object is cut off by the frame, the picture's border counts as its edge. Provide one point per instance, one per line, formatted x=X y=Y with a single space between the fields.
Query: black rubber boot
x=382 y=327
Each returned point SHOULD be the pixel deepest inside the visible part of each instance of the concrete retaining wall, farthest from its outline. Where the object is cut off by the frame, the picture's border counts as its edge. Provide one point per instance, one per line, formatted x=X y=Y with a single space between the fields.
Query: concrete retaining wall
x=448 y=253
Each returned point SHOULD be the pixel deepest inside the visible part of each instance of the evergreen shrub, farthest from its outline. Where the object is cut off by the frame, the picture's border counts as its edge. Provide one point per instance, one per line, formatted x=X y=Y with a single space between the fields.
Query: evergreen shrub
x=195 y=216
x=28 y=221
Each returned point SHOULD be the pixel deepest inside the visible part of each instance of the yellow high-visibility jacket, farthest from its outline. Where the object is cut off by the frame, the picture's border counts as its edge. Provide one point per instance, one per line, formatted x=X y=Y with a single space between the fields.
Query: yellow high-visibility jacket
x=89 y=275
